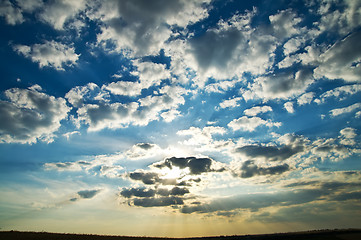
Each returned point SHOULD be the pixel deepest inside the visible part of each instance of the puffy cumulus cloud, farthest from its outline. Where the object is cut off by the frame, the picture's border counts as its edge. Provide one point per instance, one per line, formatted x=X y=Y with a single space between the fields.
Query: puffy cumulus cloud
x=143 y=150
x=305 y=98
x=289 y=107
x=340 y=92
x=230 y=103
x=30 y=115
x=284 y=24
x=201 y=136
x=159 y=197
x=100 y=165
x=149 y=74
x=282 y=85
x=250 y=124
x=254 y=111
x=339 y=16
x=12 y=14
x=79 y=95
x=59 y=13
x=146 y=193
x=250 y=169
x=333 y=149
x=271 y=153
x=339 y=111
x=106 y=115
x=141 y=27
x=29 y=6
x=96 y=110
x=342 y=60
x=88 y=193
x=348 y=136
x=49 y=54
x=196 y=166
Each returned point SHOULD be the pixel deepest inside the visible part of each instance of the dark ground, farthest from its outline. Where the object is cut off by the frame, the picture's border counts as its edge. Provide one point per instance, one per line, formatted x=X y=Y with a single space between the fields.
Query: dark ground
x=347 y=234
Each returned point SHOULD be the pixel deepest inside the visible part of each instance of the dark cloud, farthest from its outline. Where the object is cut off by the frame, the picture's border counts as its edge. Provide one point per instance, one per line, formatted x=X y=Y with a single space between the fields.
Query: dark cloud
x=30 y=115
x=147 y=193
x=270 y=153
x=145 y=146
x=88 y=193
x=250 y=169
x=146 y=177
x=348 y=196
x=215 y=49
x=195 y=165
x=137 y=192
x=158 y=202
x=256 y=201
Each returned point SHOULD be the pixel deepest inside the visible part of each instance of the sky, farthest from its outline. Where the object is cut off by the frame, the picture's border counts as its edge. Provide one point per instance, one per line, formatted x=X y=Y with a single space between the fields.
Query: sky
x=180 y=118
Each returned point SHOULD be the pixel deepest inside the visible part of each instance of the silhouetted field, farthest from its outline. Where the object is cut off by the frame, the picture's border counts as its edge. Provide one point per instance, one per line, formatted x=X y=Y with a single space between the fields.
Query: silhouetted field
x=348 y=234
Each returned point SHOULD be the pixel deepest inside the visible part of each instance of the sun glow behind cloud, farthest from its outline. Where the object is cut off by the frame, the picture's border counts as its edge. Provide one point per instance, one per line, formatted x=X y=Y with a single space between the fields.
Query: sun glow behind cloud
x=180 y=118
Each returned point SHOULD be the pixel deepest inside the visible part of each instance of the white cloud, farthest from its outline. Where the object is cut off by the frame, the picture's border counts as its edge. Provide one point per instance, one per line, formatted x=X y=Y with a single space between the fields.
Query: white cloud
x=340 y=92
x=351 y=108
x=12 y=14
x=100 y=114
x=143 y=150
x=342 y=60
x=251 y=123
x=140 y=27
x=79 y=94
x=347 y=136
x=201 y=136
x=230 y=103
x=305 y=98
x=254 y=111
x=285 y=23
x=281 y=85
x=30 y=116
x=49 y=54
x=149 y=74
x=29 y=5
x=289 y=107
x=170 y=115
x=58 y=13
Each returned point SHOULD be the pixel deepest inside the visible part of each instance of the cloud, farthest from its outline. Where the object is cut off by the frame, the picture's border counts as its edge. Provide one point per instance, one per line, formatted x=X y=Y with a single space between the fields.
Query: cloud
x=305 y=98
x=251 y=123
x=195 y=165
x=254 y=111
x=342 y=60
x=270 y=153
x=79 y=95
x=340 y=92
x=30 y=115
x=230 y=103
x=250 y=169
x=12 y=14
x=149 y=74
x=256 y=201
x=158 y=202
x=339 y=111
x=59 y=13
x=143 y=150
x=87 y=194
x=201 y=136
x=289 y=107
x=100 y=114
x=141 y=27
x=148 y=193
x=282 y=85
x=49 y=54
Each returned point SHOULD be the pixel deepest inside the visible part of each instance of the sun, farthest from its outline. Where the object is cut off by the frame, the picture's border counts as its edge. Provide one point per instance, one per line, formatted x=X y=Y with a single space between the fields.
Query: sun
x=173 y=173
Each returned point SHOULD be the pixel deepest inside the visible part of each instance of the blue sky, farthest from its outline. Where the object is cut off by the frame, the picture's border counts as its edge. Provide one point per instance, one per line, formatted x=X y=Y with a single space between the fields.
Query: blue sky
x=180 y=118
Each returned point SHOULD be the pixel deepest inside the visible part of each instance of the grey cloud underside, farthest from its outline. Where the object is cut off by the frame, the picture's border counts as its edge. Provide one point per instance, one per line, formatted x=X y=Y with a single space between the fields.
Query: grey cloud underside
x=195 y=165
x=250 y=169
x=270 y=153
x=257 y=201
x=146 y=193
x=88 y=193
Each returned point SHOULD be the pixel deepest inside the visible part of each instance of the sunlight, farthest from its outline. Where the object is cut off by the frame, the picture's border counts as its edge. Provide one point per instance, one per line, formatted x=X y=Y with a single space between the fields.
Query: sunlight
x=173 y=173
